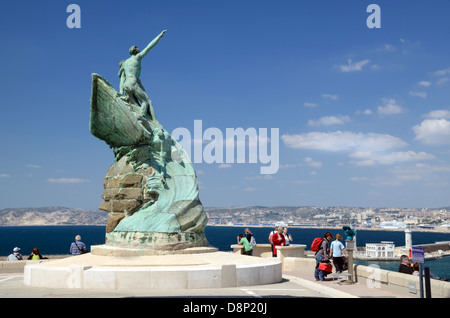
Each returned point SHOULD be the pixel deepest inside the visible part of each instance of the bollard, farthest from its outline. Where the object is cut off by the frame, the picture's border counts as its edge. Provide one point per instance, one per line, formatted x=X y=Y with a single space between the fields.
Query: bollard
x=427 y=282
x=350 y=246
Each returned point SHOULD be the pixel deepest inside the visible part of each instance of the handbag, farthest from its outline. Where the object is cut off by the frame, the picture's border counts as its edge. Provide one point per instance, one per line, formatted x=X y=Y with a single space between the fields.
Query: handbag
x=345 y=265
x=327 y=268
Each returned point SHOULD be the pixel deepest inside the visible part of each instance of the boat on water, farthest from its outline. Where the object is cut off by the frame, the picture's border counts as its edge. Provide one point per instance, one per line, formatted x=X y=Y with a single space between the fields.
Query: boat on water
x=115 y=119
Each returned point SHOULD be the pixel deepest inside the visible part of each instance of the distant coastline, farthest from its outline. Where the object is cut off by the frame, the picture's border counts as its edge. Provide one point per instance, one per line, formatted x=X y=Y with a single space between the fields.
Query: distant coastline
x=259 y=226
x=332 y=227
x=307 y=217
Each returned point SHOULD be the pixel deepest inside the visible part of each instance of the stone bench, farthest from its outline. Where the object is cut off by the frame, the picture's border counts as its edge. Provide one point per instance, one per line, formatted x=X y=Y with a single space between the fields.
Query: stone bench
x=292 y=250
x=260 y=250
x=18 y=266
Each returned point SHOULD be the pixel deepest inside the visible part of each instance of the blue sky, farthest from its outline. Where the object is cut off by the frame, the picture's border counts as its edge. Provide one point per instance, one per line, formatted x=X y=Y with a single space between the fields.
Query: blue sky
x=363 y=114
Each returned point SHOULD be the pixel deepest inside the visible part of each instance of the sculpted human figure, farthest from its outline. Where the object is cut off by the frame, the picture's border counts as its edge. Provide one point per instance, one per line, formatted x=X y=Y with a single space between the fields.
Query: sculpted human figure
x=129 y=73
x=151 y=191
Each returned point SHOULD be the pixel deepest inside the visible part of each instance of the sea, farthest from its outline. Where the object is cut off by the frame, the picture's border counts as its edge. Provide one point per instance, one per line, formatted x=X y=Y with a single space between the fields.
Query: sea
x=56 y=240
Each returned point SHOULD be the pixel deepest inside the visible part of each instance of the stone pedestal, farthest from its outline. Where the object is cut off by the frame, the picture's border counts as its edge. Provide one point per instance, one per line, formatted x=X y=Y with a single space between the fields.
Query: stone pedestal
x=177 y=271
x=125 y=191
x=350 y=247
x=106 y=250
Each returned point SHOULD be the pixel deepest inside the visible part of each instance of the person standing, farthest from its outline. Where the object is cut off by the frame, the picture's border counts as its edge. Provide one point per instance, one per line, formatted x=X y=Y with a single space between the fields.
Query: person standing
x=277 y=240
x=15 y=255
x=78 y=247
x=250 y=237
x=322 y=255
x=337 y=251
x=271 y=239
x=287 y=237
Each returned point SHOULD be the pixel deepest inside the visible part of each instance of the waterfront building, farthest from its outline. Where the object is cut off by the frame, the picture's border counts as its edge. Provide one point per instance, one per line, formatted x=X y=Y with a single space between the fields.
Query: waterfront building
x=380 y=250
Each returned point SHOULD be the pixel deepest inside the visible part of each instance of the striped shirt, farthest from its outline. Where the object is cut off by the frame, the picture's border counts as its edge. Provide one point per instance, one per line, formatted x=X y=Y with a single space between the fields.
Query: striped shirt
x=74 y=250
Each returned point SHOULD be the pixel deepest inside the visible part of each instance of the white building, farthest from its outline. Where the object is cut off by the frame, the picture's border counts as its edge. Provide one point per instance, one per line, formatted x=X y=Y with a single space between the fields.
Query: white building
x=380 y=250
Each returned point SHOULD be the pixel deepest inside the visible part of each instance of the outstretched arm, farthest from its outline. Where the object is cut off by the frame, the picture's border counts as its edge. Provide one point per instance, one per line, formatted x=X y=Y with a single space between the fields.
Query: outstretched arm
x=151 y=45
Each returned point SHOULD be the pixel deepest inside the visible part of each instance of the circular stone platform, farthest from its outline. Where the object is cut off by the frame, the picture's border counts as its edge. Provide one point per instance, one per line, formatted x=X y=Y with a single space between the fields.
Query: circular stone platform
x=182 y=271
x=107 y=250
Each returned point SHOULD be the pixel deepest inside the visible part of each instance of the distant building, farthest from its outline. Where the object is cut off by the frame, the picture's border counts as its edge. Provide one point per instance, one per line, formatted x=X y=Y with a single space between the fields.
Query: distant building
x=392 y=225
x=380 y=250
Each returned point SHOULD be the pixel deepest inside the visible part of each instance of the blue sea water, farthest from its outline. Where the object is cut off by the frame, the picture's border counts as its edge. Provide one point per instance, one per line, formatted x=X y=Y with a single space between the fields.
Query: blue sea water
x=54 y=240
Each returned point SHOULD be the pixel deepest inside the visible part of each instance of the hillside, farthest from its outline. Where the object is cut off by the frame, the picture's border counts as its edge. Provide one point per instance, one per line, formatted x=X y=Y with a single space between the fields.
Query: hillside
x=51 y=216
x=313 y=215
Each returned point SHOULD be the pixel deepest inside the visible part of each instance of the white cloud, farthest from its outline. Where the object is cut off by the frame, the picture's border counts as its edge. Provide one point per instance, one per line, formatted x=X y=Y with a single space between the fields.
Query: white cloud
x=330 y=96
x=390 y=107
x=289 y=165
x=364 y=149
x=418 y=94
x=433 y=132
x=432 y=174
x=259 y=177
x=33 y=166
x=68 y=180
x=4 y=175
x=312 y=105
x=312 y=163
x=364 y=112
x=249 y=189
x=442 y=72
x=442 y=81
x=342 y=141
x=369 y=158
x=424 y=83
x=352 y=67
x=440 y=113
x=224 y=165
x=388 y=47
x=329 y=120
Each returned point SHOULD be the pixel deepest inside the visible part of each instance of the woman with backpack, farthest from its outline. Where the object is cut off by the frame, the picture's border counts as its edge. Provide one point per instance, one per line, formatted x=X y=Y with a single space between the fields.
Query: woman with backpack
x=322 y=255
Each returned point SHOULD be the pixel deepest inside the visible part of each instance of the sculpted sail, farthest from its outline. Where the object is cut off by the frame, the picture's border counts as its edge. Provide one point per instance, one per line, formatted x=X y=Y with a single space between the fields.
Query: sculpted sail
x=151 y=191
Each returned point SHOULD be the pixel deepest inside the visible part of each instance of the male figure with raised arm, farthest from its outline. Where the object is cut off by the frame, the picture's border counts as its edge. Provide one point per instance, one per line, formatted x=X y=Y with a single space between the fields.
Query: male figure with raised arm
x=130 y=71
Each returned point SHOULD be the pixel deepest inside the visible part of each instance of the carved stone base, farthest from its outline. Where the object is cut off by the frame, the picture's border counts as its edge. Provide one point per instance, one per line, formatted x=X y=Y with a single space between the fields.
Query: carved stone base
x=154 y=243
x=154 y=272
x=107 y=250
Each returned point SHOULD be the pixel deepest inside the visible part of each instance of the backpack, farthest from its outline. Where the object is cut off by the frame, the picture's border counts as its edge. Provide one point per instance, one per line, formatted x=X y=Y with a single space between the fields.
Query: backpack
x=253 y=242
x=315 y=245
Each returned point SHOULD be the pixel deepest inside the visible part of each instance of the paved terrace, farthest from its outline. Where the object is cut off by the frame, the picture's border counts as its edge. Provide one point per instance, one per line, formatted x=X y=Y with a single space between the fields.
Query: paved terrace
x=298 y=281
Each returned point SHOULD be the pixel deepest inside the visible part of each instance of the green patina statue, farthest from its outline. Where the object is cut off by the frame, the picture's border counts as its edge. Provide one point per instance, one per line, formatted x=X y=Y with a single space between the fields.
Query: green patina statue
x=151 y=191
x=130 y=83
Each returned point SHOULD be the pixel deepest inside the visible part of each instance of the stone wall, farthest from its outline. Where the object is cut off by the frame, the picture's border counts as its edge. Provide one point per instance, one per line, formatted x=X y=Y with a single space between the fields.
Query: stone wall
x=379 y=278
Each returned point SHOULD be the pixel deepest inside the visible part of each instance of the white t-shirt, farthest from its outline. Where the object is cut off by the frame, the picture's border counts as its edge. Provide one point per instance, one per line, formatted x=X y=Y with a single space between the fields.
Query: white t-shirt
x=337 y=248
